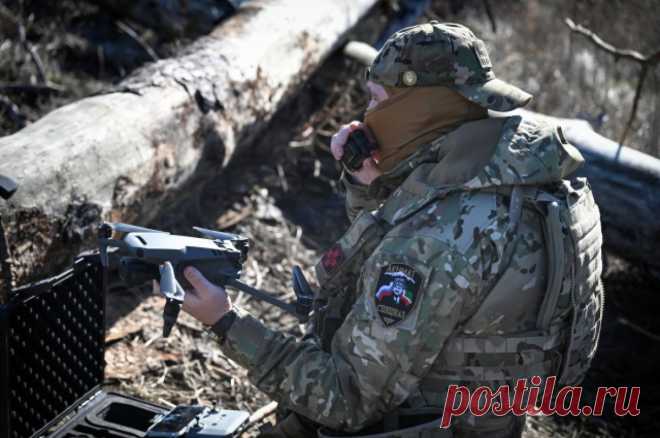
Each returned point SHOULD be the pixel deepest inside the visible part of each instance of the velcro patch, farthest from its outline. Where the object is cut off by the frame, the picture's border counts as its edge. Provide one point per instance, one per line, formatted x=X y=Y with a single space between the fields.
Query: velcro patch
x=396 y=293
x=332 y=258
x=482 y=54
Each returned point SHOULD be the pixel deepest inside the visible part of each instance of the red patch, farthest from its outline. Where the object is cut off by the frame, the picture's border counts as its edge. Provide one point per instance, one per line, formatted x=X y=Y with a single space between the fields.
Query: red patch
x=332 y=258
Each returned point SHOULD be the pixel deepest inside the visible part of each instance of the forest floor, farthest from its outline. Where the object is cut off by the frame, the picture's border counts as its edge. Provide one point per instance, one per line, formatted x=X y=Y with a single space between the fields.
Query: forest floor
x=282 y=194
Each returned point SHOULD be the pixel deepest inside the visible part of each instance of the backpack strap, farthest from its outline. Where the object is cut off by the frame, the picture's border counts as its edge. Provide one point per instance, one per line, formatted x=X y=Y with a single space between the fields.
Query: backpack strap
x=554 y=238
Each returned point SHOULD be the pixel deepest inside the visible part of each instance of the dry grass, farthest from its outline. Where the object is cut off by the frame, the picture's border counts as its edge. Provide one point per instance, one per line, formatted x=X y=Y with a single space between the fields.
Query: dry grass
x=291 y=210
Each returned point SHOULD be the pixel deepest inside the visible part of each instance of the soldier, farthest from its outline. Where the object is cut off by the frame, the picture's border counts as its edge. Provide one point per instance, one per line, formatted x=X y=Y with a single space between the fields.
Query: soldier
x=473 y=258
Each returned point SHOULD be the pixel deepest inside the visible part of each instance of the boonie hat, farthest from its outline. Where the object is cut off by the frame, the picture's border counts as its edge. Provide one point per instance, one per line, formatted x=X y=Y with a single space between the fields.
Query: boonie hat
x=444 y=54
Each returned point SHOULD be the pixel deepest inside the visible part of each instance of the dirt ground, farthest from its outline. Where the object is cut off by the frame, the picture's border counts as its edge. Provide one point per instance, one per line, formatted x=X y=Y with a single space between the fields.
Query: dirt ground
x=282 y=194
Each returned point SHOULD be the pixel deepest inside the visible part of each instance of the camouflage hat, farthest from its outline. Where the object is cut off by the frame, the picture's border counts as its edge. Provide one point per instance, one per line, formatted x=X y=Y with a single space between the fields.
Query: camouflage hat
x=444 y=54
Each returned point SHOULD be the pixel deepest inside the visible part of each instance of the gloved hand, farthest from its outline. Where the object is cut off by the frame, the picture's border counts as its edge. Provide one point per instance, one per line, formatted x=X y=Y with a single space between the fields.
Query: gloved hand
x=369 y=171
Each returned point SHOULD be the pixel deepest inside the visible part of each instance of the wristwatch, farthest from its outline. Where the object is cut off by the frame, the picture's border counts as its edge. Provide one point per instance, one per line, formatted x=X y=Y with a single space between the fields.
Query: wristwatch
x=222 y=326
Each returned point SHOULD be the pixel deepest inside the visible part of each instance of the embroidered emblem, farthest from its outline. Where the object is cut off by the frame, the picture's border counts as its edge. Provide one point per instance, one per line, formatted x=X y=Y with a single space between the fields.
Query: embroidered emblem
x=396 y=292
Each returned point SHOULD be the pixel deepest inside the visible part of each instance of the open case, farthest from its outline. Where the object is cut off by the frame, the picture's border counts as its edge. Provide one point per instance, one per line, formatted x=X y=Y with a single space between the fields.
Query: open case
x=52 y=344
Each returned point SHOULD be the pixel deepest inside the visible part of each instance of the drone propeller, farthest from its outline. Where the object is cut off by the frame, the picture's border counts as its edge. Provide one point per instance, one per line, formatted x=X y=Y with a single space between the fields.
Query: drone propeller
x=105 y=239
x=241 y=243
x=128 y=228
x=219 y=235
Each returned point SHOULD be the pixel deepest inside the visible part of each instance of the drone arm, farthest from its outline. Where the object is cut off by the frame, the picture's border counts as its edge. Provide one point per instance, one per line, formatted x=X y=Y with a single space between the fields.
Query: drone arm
x=211 y=234
x=262 y=296
x=304 y=294
x=105 y=243
x=128 y=228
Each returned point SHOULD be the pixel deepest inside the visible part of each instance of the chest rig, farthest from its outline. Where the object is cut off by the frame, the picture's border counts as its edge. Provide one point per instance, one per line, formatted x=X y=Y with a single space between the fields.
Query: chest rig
x=568 y=322
x=569 y=318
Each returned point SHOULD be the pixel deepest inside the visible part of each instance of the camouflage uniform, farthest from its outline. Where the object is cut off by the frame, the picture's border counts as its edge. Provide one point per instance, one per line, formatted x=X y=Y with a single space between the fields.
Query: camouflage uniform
x=457 y=268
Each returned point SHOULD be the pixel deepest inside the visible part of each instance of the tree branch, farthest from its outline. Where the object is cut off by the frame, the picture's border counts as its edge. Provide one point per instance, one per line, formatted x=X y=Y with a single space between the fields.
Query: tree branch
x=138 y=39
x=491 y=15
x=645 y=61
x=30 y=88
x=38 y=63
x=632 y=55
x=261 y=413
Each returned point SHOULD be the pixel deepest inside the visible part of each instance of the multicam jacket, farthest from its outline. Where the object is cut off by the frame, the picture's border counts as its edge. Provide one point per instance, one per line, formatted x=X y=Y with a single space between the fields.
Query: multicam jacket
x=447 y=281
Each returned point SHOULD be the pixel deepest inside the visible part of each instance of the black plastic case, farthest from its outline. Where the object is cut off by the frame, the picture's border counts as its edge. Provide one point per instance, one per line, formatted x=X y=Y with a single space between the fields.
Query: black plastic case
x=52 y=345
x=107 y=415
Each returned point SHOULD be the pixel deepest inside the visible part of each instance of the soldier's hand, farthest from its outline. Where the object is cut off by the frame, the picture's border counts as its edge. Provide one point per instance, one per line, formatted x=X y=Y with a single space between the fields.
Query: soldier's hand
x=369 y=170
x=208 y=302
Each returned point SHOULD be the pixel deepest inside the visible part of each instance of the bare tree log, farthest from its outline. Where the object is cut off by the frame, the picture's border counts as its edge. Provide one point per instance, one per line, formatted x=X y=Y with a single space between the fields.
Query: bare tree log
x=114 y=156
x=625 y=183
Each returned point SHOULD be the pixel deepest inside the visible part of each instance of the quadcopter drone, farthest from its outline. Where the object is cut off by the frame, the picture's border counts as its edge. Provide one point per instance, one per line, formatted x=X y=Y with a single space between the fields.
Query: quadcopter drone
x=145 y=254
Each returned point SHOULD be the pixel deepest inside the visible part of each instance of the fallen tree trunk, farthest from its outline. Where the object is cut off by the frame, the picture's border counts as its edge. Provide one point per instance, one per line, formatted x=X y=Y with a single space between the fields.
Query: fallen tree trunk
x=114 y=156
x=626 y=183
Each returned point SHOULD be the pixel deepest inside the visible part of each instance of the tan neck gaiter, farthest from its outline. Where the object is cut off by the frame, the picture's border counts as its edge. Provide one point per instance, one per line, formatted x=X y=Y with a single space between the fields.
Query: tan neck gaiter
x=414 y=116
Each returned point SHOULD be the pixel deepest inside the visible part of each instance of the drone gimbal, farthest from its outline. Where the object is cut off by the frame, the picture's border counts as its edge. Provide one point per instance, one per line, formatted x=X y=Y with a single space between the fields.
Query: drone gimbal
x=144 y=254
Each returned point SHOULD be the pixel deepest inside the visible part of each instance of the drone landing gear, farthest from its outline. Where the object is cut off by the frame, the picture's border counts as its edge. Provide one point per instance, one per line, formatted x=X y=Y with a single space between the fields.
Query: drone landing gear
x=174 y=295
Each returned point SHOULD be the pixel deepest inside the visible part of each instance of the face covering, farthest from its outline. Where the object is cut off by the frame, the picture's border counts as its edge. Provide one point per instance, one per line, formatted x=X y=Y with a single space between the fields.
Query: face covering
x=414 y=116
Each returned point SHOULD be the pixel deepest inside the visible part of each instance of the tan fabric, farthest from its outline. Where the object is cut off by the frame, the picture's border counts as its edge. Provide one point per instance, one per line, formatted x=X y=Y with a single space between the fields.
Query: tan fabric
x=412 y=117
x=466 y=151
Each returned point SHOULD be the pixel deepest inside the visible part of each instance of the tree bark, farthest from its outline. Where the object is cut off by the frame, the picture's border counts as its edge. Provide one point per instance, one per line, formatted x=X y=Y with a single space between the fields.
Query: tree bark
x=114 y=156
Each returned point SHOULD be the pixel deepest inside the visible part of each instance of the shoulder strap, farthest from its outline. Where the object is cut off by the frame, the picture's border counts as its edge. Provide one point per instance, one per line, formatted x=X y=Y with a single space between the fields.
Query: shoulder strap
x=553 y=237
x=548 y=206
